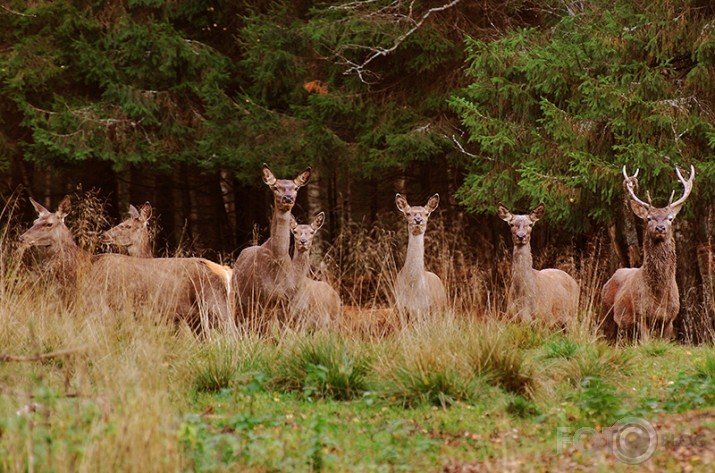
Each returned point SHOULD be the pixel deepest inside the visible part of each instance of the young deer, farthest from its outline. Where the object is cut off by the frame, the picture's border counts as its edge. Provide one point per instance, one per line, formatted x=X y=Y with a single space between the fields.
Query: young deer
x=262 y=275
x=548 y=295
x=184 y=288
x=637 y=301
x=315 y=302
x=133 y=233
x=418 y=292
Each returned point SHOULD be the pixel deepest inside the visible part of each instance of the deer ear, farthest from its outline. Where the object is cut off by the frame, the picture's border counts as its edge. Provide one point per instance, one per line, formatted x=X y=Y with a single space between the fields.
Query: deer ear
x=41 y=211
x=401 y=203
x=503 y=212
x=432 y=203
x=268 y=177
x=537 y=213
x=64 y=208
x=133 y=212
x=638 y=209
x=146 y=212
x=293 y=223
x=318 y=221
x=302 y=178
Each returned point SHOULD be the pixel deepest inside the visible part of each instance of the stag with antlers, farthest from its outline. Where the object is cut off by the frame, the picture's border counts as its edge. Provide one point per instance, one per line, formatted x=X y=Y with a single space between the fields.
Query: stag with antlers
x=645 y=300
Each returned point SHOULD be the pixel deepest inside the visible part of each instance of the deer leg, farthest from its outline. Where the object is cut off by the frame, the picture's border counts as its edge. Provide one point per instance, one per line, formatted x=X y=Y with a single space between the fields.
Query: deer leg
x=668 y=331
x=608 y=327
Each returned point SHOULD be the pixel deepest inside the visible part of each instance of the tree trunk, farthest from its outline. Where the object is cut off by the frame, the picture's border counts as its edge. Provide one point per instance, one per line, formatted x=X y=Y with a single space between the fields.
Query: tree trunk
x=228 y=197
x=629 y=232
x=315 y=207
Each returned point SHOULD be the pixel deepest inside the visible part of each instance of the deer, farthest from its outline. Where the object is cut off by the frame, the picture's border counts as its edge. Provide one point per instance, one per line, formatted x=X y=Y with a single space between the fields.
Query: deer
x=418 y=292
x=63 y=259
x=262 y=275
x=134 y=236
x=133 y=233
x=315 y=302
x=548 y=296
x=183 y=288
x=645 y=301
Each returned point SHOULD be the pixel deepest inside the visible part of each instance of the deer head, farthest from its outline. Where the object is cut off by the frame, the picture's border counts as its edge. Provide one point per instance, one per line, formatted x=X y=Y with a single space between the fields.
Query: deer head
x=285 y=191
x=416 y=216
x=49 y=228
x=658 y=220
x=132 y=231
x=303 y=234
x=521 y=225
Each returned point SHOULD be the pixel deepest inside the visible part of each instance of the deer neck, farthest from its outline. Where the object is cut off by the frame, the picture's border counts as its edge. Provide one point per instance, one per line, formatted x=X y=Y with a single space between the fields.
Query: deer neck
x=141 y=249
x=415 y=259
x=280 y=233
x=65 y=257
x=659 y=264
x=301 y=263
x=522 y=270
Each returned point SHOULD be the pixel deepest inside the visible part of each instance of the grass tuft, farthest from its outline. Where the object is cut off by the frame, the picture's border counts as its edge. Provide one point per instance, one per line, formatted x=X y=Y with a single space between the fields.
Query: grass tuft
x=323 y=366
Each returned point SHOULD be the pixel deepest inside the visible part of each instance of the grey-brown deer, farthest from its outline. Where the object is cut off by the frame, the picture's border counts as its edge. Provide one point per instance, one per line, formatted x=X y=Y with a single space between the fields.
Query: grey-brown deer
x=315 y=304
x=262 y=275
x=64 y=261
x=645 y=301
x=418 y=292
x=548 y=296
x=190 y=289
x=132 y=234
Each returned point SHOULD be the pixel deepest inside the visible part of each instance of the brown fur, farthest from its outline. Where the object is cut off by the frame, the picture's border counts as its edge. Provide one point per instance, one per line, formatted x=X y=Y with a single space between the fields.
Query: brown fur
x=315 y=303
x=262 y=275
x=644 y=301
x=548 y=296
x=64 y=260
x=183 y=288
x=418 y=292
x=132 y=235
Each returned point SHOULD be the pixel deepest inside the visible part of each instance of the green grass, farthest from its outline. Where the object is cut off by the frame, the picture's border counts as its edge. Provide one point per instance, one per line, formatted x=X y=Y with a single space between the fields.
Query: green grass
x=444 y=392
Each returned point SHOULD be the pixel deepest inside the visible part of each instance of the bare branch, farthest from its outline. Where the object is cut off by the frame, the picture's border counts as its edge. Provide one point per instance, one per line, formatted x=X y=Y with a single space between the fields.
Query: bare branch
x=4 y=357
x=13 y=12
x=360 y=69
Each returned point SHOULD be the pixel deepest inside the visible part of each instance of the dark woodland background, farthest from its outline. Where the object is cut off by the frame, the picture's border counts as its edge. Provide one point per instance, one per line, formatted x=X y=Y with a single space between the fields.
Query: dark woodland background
x=179 y=102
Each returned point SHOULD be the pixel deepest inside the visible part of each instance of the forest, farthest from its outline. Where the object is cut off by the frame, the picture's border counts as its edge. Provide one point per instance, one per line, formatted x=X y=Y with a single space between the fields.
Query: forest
x=482 y=116
x=179 y=102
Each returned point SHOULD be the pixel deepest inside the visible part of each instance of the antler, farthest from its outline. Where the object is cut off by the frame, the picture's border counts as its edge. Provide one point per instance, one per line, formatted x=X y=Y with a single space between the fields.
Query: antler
x=688 y=185
x=629 y=182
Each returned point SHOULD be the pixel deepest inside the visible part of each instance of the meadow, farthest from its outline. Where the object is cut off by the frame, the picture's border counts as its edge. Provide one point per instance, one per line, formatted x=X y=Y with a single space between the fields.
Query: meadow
x=462 y=391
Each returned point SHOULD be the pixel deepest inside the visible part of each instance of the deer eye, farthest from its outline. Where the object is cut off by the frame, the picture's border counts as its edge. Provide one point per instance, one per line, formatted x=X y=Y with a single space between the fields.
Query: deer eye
x=649 y=218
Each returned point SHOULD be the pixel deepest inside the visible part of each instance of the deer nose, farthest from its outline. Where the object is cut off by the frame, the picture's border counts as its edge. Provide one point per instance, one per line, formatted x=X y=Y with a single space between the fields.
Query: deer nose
x=417 y=219
x=660 y=228
x=287 y=199
x=521 y=236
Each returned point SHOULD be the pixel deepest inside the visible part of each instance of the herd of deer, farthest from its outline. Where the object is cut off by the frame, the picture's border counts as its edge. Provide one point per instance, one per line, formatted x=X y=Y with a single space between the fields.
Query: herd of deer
x=635 y=301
